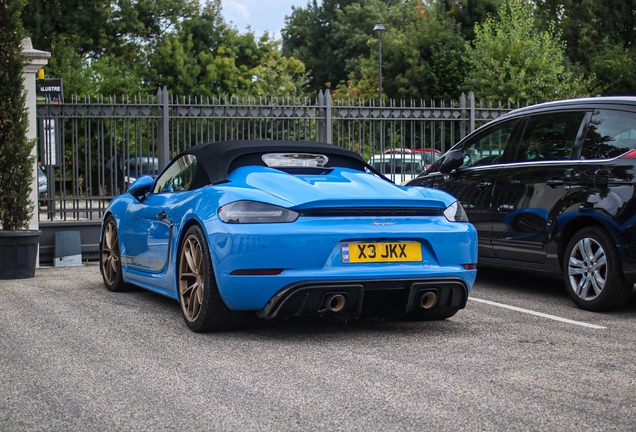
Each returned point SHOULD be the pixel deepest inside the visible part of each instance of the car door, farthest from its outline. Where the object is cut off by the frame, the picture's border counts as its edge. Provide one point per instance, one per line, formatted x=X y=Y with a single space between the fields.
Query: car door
x=472 y=183
x=151 y=220
x=530 y=190
x=147 y=234
x=606 y=178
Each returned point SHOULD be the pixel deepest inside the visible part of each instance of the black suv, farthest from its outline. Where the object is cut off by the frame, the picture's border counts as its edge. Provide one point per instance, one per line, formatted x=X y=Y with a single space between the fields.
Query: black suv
x=552 y=188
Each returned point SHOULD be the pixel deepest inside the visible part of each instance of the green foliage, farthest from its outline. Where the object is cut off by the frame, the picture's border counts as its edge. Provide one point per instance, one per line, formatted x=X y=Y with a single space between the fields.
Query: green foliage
x=425 y=60
x=422 y=57
x=16 y=162
x=511 y=60
x=99 y=46
x=432 y=49
x=204 y=57
x=87 y=20
x=98 y=27
x=279 y=76
x=599 y=35
x=614 y=69
x=330 y=38
x=107 y=75
x=467 y=13
x=66 y=63
x=139 y=45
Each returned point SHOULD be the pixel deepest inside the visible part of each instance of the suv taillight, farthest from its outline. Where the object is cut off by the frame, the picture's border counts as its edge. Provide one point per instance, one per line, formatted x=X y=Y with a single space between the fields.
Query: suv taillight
x=630 y=155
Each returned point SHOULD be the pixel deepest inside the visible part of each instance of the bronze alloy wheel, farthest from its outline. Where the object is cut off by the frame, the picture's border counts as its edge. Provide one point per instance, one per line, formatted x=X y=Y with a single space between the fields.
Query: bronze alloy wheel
x=110 y=253
x=110 y=258
x=201 y=303
x=191 y=278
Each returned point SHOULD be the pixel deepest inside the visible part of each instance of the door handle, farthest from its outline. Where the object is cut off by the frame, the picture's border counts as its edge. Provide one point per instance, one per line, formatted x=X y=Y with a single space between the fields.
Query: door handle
x=555 y=182
x=602 y=176
x=162 y=215
x=506 y=208
x=484 y=185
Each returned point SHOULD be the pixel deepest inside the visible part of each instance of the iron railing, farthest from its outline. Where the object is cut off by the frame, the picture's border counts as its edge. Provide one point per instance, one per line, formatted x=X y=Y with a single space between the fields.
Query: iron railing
x=91 y=149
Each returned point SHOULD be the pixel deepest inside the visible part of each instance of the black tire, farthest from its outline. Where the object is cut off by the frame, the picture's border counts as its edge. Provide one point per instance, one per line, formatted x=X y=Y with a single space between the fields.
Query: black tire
x=435 y=314
x=201 y=304
x=110 y=258
x=593 y=273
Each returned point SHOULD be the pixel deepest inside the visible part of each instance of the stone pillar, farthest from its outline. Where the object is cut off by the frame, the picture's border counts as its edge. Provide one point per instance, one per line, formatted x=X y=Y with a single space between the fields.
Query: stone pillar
x=36 y=60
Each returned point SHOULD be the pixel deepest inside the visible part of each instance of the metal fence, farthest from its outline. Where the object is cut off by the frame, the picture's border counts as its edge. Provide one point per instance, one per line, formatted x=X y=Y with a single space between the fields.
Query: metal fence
x=90 y=150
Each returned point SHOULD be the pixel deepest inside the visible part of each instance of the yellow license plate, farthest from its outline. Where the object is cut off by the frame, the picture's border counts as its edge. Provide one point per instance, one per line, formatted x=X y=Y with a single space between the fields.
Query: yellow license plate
x=381 y=252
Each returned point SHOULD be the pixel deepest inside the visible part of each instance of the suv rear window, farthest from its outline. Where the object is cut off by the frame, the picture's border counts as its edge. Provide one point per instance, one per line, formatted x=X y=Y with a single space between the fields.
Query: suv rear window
x=610 y=134
x=549 y=137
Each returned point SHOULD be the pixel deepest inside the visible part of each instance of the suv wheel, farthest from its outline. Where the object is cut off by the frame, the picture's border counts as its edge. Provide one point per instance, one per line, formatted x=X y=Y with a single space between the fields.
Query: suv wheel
x=592 y=271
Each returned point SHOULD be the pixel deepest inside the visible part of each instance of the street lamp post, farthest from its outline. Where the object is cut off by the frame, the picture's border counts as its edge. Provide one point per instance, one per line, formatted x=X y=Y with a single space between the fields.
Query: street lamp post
x=379 y=28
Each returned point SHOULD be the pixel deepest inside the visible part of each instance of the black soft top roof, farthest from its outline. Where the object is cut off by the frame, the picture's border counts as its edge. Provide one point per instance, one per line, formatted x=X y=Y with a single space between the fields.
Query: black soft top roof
x=217 y=159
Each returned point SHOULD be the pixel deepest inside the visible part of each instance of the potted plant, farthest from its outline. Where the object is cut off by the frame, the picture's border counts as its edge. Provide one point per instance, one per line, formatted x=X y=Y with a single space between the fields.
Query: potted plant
x=18 y=245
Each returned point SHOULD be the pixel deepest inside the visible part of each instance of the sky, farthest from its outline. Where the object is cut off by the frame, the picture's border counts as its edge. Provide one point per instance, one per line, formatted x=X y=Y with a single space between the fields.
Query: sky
x=260 y=15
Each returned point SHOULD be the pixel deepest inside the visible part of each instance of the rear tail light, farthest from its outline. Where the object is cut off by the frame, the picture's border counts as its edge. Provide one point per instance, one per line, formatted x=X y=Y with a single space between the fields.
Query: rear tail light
x=630 y=155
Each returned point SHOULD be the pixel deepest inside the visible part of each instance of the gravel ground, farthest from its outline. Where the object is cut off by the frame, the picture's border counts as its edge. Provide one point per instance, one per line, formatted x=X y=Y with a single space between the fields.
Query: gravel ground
x=75 y=356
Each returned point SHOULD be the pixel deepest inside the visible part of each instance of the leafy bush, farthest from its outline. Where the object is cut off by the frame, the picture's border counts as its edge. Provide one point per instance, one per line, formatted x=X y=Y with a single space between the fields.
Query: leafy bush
x=16 y=161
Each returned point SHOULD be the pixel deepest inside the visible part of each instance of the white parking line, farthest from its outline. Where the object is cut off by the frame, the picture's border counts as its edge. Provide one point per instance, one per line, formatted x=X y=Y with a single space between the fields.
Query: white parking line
x=552 y=317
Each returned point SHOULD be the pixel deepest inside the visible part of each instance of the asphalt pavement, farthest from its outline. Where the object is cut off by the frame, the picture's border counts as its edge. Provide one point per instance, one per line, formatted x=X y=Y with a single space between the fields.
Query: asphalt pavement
x=521 y=356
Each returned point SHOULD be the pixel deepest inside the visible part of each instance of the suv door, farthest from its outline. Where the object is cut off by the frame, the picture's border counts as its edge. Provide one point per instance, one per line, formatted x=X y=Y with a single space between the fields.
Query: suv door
x=530 y=189
x=608 y=180
x=472 y=183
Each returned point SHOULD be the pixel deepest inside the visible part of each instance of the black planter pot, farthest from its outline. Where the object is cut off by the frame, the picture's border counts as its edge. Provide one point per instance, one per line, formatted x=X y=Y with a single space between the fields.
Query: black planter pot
x=18 y=254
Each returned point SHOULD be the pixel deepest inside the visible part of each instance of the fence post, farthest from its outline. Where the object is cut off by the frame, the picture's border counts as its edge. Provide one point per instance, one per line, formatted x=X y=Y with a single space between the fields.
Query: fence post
x=320 y=122
x=319 y=111
x=462 y=124
x=163 y=144
x=328 y=104
x=471 y=105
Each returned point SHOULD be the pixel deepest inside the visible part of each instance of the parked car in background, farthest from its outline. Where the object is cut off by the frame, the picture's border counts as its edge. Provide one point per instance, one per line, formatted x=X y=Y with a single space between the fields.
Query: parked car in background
x=43 y=186
x=552 y=188
x=43 y=183
x=399 y=167
x=428 y=155
x=239 y=229
x=120 y=172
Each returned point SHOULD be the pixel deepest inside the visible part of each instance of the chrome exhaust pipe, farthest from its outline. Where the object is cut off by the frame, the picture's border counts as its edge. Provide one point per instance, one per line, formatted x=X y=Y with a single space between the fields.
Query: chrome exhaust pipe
x=426 y=300
x=335 y=302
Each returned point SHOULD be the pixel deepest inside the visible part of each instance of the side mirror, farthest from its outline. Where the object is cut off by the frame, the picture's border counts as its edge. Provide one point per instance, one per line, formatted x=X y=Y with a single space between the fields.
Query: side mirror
x=141 y=187
x=451 y=161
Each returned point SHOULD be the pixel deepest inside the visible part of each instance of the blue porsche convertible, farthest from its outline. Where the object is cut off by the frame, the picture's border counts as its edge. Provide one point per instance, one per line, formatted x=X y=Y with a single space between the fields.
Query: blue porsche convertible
x=238 y=229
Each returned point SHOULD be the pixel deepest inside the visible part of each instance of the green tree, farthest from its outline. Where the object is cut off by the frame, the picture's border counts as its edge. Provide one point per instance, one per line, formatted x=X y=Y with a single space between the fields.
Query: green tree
x=16 y=162
x=467 y=13
x=103 y=27
x=331 y=37
x=614 y=69
x=86 y=22
x=107 y=75
x=279 y=76
x=422 y=57
x=510 y=59
x=425 y=58
x=138 y=45
x=599 y=35
x=99 y=46
x=205 y=57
